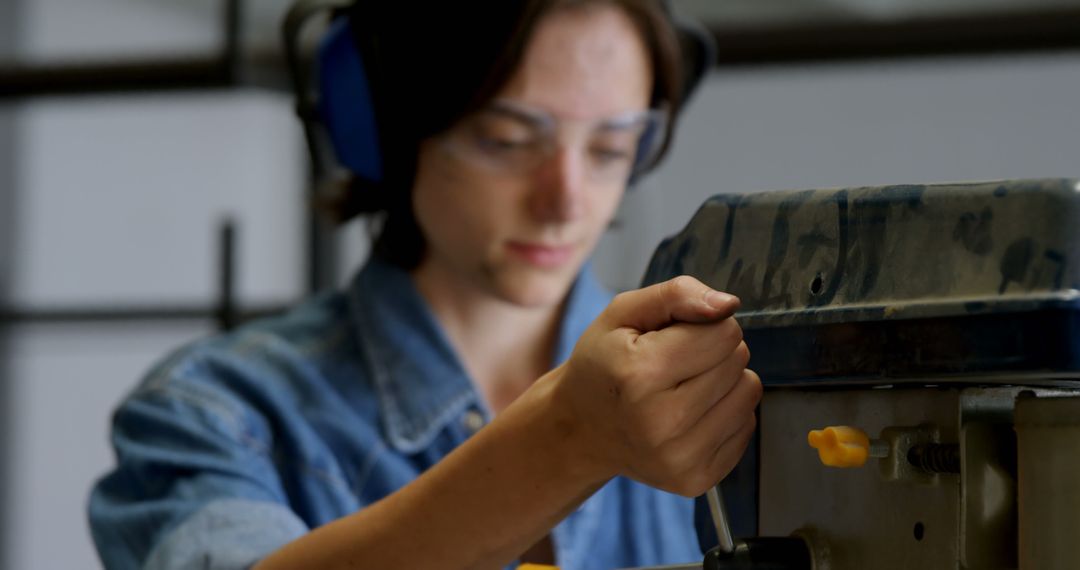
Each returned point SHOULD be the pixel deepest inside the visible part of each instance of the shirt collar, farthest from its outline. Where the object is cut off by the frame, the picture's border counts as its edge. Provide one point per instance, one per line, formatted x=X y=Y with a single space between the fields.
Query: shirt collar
x=420 y=382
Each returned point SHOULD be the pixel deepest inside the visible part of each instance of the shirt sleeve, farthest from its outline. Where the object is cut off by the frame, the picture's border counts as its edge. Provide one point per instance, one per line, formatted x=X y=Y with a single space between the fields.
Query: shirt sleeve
x=226 y=534
x=195 y=484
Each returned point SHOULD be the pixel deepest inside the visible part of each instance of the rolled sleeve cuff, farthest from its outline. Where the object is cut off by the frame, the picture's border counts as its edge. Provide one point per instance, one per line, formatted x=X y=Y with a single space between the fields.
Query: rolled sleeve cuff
x=226 y=535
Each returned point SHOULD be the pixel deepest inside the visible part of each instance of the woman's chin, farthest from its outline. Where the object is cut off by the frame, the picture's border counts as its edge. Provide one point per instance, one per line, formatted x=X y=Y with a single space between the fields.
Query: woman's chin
x=533 y=290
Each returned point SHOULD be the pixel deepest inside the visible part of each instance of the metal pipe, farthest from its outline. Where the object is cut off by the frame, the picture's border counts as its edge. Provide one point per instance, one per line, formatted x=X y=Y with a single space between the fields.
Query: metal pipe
x=227 y=275
x=9 y=25
x=172 y=74
x=232 y=38
x=1050 y=29
x=121 y=314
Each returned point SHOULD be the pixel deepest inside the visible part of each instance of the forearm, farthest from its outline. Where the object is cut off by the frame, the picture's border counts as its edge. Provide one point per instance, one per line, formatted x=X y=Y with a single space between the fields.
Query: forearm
x=480 y=507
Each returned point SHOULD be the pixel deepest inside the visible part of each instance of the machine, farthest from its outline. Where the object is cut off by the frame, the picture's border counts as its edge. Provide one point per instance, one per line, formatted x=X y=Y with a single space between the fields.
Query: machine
x=920 y=351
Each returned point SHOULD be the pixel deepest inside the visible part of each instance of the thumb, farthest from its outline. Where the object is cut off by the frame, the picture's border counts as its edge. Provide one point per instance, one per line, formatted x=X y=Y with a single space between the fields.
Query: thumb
x=682 y=299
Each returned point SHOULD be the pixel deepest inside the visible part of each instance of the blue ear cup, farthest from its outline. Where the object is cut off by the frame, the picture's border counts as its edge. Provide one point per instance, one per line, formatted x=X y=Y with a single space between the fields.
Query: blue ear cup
x=345 y=103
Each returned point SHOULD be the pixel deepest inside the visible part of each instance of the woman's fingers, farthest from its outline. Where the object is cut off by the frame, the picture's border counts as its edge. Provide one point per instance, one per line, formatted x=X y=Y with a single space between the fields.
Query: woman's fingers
x=712 y=446
x=693 y=398
x=690 y=349
x=728 y=454
x=682 y=299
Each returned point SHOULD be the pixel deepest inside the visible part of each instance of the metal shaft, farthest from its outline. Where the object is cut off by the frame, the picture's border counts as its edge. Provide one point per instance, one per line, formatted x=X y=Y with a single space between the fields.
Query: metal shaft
x=720 y=520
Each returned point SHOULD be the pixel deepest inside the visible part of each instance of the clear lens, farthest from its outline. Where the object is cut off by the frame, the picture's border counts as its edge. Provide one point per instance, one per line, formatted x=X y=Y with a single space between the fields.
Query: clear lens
x=651 y=141
x=511 y=139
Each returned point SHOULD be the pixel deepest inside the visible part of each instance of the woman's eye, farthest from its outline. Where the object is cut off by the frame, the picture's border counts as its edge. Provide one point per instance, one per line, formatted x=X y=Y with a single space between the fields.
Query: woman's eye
x=611 y=154
x=498 y=135
x=614 y=147
x=501 y=143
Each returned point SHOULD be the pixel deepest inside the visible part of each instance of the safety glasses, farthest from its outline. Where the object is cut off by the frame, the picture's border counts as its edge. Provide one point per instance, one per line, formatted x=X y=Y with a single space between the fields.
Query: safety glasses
x=510 y=138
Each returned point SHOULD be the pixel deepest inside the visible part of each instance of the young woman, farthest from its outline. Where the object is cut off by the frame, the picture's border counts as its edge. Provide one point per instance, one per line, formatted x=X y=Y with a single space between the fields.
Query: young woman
x=468 y=401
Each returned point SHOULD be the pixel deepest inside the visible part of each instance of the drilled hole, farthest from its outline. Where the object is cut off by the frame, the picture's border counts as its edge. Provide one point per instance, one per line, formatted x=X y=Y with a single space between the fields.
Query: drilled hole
x=817 y=285
x=920 y=530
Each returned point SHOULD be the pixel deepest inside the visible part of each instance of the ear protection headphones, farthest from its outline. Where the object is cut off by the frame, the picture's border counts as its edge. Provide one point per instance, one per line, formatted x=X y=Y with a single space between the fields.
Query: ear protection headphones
x=335 y=100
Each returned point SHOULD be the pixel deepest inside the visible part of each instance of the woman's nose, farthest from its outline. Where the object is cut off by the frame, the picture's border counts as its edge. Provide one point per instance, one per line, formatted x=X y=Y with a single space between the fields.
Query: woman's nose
x=558 y=192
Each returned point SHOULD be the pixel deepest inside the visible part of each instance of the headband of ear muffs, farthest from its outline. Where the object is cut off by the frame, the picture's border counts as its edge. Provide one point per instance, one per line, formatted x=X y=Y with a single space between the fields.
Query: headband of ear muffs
x=346 y=102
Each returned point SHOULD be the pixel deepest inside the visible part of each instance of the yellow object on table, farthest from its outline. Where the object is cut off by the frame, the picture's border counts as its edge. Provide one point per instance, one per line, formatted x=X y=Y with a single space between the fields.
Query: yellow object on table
x=840 y=446
x=536 y=567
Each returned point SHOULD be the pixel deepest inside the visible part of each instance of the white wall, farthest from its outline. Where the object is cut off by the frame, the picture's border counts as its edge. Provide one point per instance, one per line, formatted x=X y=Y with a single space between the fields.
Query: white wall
x=120 y=197
x=67 y=379
x=119 y=200
x=819 y=126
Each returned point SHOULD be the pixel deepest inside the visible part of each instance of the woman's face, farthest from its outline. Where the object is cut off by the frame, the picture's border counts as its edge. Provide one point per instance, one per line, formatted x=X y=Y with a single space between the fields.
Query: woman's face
x=512 y=201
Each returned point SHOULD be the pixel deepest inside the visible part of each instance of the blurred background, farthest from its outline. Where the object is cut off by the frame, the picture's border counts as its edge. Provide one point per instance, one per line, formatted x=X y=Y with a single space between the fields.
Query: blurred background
x=154 y=181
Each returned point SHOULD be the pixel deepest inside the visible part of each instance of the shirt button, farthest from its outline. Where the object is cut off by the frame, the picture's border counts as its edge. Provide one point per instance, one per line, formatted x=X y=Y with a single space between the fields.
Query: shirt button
x=473 y=421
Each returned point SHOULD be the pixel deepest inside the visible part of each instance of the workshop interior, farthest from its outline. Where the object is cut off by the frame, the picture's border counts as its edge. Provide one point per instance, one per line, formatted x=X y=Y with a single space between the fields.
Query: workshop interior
x=891 y=187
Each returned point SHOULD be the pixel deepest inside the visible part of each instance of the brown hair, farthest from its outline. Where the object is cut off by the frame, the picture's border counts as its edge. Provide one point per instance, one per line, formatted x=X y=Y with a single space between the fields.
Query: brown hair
x=429 y=73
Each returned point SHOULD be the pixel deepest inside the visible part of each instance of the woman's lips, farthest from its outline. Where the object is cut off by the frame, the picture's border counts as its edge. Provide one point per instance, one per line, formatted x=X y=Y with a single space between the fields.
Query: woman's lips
x=540 y=255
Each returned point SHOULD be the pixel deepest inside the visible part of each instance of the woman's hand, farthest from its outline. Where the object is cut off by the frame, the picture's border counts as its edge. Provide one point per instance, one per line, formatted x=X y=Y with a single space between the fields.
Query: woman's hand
x=658 y=390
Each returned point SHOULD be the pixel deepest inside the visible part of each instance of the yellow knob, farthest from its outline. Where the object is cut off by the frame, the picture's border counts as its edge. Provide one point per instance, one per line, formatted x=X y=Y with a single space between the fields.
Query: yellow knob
x=840 y=446
x=528 y=566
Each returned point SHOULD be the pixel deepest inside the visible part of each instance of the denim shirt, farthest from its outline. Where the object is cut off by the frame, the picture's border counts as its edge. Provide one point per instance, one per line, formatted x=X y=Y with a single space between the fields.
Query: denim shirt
x=241 y=443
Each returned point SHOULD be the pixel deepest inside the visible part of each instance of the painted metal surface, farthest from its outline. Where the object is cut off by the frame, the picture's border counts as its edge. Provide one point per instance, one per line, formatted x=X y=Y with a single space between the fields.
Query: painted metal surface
x=895 y=283
x=1048 y=434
